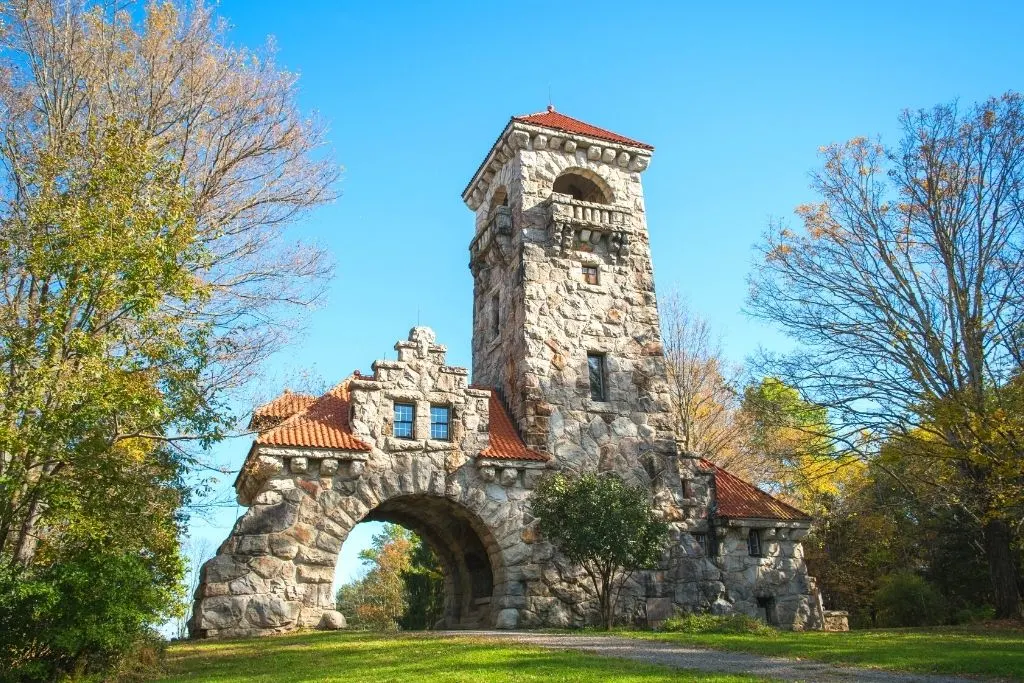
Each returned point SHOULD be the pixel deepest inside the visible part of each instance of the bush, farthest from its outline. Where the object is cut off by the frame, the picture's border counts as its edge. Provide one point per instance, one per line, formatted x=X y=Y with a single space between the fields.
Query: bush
x=709 y=623
x=906 y=599
x=89 y=615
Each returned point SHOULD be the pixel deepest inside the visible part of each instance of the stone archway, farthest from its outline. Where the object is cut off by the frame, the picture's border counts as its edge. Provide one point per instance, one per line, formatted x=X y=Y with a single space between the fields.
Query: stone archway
x=466 y=552
x=275 y=571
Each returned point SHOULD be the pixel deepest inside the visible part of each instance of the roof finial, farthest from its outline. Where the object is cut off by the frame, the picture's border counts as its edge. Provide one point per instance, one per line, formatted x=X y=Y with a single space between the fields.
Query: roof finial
x=551 y=107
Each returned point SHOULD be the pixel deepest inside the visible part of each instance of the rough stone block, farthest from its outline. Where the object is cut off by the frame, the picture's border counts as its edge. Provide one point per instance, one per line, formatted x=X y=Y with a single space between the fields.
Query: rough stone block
x=270 y=611
x=507 y=619
x=332 y=620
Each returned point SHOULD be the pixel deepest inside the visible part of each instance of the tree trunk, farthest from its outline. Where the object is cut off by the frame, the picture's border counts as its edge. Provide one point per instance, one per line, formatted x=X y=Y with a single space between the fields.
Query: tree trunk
x=1002 y=570
x=25 y=547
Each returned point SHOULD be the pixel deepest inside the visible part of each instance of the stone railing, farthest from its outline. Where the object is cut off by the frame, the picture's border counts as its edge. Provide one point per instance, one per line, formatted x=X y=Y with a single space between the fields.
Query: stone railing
x=576 y=224
x=565 y=209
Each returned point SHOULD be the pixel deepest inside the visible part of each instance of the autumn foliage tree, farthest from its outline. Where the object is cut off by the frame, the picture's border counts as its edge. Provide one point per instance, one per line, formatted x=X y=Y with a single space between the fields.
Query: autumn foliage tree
x=702 y=385
x=148 y=173
x=903 y=294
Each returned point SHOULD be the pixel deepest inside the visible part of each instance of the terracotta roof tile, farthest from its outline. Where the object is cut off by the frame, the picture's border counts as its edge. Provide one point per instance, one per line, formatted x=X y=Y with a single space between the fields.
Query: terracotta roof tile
x=323 y=424
x=559 y=121
x=738 y=499
x=505 y=441
x=274 y=412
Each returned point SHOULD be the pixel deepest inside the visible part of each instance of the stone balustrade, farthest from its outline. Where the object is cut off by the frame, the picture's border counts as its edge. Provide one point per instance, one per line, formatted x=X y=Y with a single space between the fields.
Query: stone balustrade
x=565 y=209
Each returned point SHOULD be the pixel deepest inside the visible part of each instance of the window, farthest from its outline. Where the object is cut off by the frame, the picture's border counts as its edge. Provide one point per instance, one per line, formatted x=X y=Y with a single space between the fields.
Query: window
x=495 y=316
x=439 y=422
x=403 y=420
x=687 y=487
x=702 y=541
x=595 y=364
x=754 y=543
x=590 y=275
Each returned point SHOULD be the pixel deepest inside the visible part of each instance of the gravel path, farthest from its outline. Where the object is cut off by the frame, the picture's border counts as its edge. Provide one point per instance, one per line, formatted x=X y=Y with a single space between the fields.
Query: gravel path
x=682 y=657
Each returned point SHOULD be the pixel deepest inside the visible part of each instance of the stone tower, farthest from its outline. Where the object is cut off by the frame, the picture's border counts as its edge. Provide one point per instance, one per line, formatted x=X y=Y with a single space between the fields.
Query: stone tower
x=565 y=322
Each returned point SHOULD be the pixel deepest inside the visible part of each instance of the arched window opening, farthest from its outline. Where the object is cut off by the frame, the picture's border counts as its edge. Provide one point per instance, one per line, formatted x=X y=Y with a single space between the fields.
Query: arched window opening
x=582 y=188
x=499 y=198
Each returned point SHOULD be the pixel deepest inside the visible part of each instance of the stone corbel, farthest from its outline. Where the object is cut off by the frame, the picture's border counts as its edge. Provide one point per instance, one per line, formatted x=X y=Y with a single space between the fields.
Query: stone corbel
x=566 y=236
x=618 y=245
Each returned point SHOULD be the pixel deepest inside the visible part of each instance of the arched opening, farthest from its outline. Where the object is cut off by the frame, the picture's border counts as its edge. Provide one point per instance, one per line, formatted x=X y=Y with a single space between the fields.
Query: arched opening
x=499 y=198
x=583 y=185
x=464 y=553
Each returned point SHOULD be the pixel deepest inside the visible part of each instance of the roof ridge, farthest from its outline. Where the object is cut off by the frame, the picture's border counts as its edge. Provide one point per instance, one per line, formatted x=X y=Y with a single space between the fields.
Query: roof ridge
x=338 y=392
x=556 y=120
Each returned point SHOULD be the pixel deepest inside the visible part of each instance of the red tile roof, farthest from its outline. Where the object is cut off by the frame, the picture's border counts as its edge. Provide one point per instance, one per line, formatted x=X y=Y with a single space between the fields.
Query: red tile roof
x=738 y=499
x=285 y=405
x=505 y=441
x=558 y=121
x=323 y=424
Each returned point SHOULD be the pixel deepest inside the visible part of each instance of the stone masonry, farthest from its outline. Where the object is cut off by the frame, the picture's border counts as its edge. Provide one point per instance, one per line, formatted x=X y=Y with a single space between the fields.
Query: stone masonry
x=569 y=374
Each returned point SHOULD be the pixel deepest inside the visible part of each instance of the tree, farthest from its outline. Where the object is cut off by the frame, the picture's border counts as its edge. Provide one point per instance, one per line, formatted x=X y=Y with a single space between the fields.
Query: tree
x=148 y=170
x=903 y=294
x=378 y=600
x=705 y=402
x=424 y=588
x=795 y=442
x=603 y=525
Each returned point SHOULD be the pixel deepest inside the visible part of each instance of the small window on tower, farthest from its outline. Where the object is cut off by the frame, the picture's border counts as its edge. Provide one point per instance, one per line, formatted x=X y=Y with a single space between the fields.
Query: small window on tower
x=595 y=366
x=495 y=316
x=590 y=275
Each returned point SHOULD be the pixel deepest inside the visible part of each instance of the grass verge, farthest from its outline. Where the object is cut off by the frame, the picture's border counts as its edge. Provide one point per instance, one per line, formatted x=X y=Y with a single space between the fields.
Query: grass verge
x=403 y=657
x=963 y=651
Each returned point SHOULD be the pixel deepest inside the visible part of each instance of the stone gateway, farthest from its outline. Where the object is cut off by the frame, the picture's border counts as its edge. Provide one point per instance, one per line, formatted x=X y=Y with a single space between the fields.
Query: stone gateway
x=568 y=374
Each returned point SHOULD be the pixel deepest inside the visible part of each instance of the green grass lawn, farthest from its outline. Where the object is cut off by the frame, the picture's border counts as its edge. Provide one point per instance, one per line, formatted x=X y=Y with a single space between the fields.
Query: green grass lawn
x=401 y=657
x=996 y=652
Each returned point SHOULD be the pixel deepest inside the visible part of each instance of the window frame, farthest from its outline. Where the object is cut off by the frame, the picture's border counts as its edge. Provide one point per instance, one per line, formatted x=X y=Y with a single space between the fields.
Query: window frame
x=755 y=546
x=701 y=537
x=447 y=422
x=601 y=396
x=586 y=270
x=495 y=315
x=411 y=421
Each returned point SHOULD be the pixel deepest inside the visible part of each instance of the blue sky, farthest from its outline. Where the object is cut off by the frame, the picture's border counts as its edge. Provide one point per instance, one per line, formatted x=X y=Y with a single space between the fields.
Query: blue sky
x=735 y=97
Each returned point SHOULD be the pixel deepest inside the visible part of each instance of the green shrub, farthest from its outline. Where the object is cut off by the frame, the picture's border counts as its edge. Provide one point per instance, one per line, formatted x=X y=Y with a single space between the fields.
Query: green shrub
x=973 y=615
x=87 y=616
x=906 y=599
x=709 y=623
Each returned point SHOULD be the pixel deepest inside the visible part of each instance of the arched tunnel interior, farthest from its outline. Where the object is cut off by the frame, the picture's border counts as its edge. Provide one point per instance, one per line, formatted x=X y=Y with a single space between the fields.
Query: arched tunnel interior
x=467 y=554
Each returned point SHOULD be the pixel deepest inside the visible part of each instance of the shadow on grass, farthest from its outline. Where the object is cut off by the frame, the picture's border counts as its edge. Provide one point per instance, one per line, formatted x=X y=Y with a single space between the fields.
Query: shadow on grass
x=942 y=650
x=402 y=657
